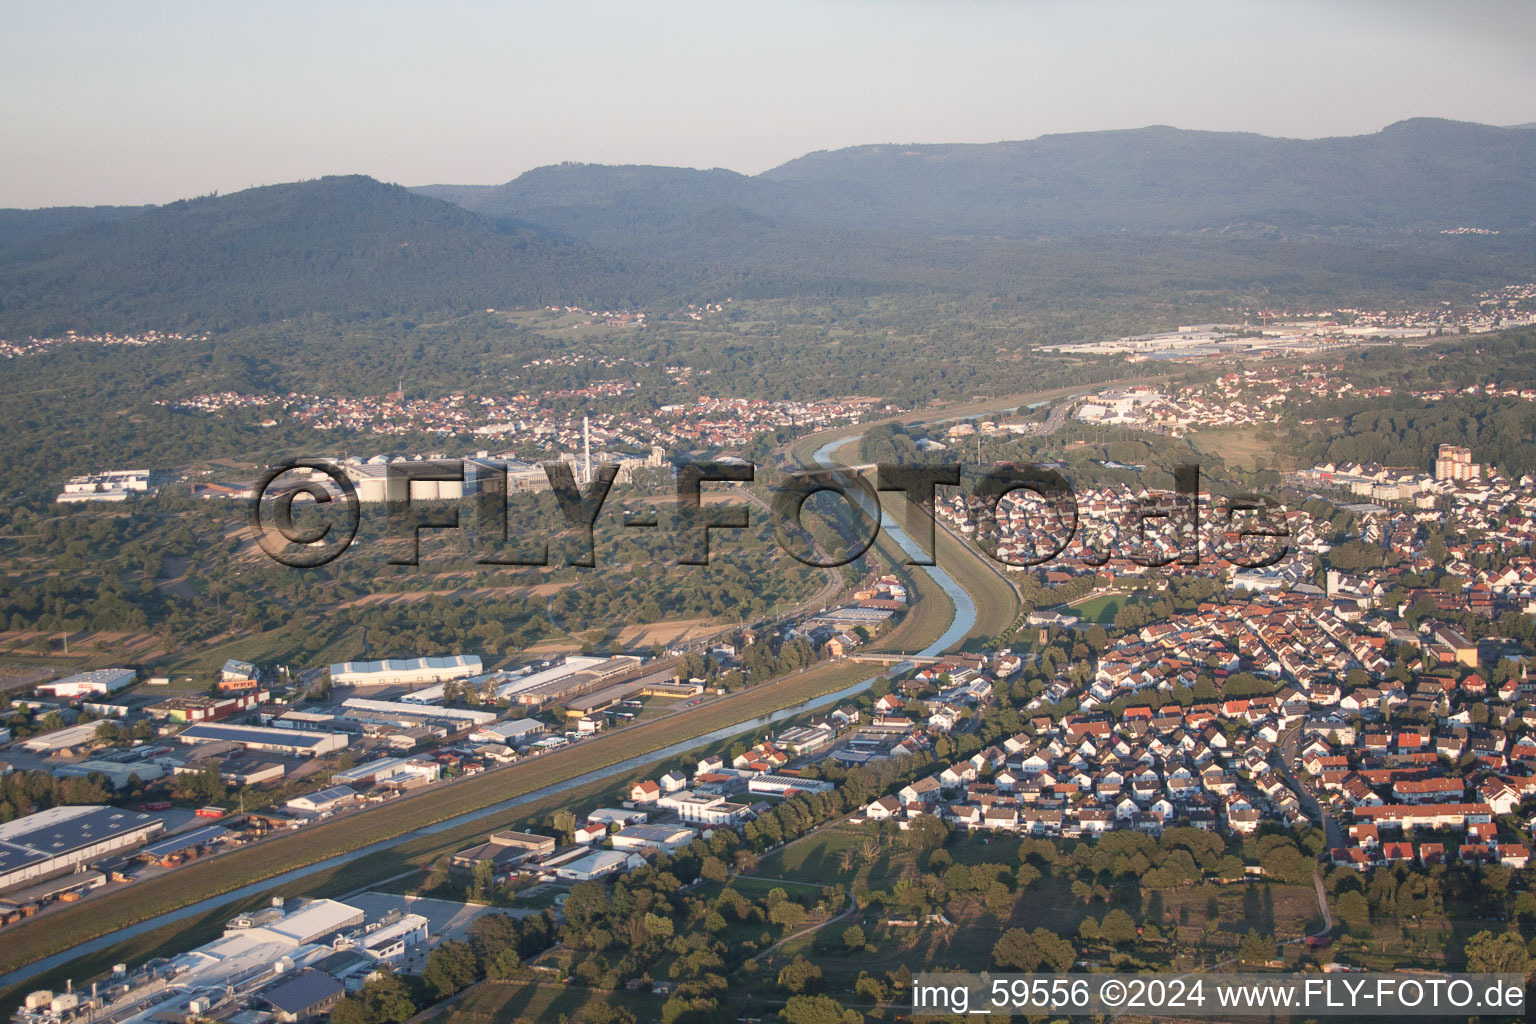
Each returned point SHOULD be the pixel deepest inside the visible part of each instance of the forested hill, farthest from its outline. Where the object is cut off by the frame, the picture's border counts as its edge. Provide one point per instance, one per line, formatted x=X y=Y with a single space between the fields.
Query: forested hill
x=1423 y=174
x=1074 y=219
x=342 y=245
x=1081 y=217
x=20 y=226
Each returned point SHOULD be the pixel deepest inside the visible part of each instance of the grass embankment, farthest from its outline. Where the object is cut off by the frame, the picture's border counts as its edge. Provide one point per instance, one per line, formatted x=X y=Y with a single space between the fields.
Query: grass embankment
x=997 y=603
x=201 y=880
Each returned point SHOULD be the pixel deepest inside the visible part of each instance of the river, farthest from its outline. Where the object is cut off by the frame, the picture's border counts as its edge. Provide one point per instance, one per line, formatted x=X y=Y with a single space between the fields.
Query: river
x=964 y=618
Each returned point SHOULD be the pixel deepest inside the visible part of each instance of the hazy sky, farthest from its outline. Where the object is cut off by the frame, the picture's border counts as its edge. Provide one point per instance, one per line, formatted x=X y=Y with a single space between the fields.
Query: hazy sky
x=148 y=101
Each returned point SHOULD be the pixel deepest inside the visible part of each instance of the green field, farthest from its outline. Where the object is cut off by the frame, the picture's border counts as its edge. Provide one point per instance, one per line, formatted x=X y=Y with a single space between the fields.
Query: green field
x=1240 y=447
x=1102 y=609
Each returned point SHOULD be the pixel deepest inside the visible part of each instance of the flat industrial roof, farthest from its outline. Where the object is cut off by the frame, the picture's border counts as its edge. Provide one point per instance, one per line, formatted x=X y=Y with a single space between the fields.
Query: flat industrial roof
x=459 y=661
x=186 y=840
x=60 y=831
x=255 y=734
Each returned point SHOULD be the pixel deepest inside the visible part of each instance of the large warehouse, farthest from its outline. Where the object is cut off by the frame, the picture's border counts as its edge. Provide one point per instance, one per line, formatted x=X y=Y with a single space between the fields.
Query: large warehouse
x=298 y=742
x=60 y=839
x=84 y=684
x=407 y=715
x=405 y=671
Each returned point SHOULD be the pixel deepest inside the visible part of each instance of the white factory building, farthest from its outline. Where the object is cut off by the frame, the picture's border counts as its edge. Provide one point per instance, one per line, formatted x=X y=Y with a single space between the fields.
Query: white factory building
x=405 y=671
x=86 y=684
x=111 y=485
x=598 y=864
x=389 y=770
x=409 y=714
x=61 y=739
x=61 y=839
x=374 y=484
x=513 y=732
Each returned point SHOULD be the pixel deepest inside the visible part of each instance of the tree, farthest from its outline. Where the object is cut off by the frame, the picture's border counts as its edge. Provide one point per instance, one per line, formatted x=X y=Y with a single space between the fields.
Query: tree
x=927 y=832
x=1283 y=862
x=799 y=976
x=482 y=877
x=853 y=937
x=1352 y=909
x=603 y=1013
x=817 y=1010
x=1255 y=948
x=1032 y=951
x=383 y=1000
x=1117 y=927
x=713 y=869
x=1488 y=953
x=787 y=914
x=1017 y=949
x=451 y=967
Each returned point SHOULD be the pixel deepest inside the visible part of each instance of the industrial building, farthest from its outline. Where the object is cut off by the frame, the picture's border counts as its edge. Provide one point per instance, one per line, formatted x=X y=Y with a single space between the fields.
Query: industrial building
x=506 y=848
x=202 y=708
x=390 y=771
x=61 y=839
x=375 y=484
x=85 y=684
x=295 y=742
x=112 y=485
x=184 y=844
x=514 y=732
x=405 y=671
x=323 y=801
x=279 y=964
x=598 y=864
x=600 y=700
x=61 y=739
x=577 y=676
x=303 y=996
x=119 y=774
x=782 y=785
x=661 y=838
x=409 y=715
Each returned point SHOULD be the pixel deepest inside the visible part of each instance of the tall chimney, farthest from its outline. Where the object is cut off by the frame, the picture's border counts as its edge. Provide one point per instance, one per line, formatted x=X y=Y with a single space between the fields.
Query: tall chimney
x=586 y=444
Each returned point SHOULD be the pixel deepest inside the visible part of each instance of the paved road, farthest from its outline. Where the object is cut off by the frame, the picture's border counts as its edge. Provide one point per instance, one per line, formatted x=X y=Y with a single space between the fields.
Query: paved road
x=1058 y=417
x=1322 y=906
x=1290 y=743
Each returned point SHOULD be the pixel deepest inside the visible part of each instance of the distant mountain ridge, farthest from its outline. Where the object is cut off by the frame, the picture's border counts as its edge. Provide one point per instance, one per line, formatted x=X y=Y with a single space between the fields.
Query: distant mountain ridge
x=1418 y=174
x=1061 y=217
x=345 y=245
